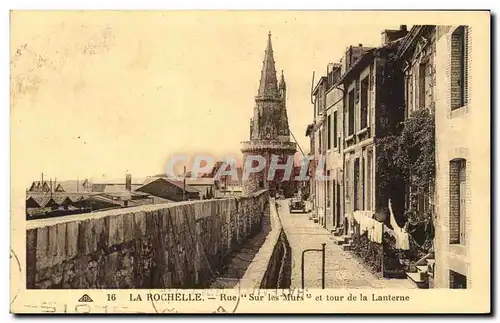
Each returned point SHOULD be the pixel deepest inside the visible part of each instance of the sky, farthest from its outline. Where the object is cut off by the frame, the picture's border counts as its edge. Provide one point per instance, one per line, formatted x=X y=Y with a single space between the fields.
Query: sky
x=101 y=94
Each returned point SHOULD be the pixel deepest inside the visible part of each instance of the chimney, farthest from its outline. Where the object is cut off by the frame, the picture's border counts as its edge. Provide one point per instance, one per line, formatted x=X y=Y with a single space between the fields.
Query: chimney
x=128 y=182
x=390 y=35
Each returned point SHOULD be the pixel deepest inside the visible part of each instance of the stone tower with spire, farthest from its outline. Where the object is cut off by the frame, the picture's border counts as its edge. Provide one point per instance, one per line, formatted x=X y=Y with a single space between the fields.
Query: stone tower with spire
x=269 y=130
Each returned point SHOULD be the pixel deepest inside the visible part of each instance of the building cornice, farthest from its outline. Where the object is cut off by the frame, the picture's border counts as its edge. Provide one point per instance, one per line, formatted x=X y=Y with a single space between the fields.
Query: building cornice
x=412 y=38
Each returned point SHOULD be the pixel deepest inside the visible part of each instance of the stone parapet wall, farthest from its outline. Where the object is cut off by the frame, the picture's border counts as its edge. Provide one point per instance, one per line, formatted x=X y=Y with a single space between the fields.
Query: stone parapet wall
x=271 y=267
x=278 y=273
x=178 y=245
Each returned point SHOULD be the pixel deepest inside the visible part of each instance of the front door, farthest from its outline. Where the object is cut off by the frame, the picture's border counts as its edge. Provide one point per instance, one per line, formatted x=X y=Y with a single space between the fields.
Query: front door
x=337 y=205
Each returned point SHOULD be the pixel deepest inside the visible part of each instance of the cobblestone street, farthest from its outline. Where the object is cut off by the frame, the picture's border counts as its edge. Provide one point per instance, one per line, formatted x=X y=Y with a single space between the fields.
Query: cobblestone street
x=343 y=270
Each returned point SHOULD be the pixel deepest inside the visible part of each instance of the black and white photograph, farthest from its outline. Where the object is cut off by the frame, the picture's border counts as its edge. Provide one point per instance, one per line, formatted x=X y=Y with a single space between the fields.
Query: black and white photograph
x=266 y=161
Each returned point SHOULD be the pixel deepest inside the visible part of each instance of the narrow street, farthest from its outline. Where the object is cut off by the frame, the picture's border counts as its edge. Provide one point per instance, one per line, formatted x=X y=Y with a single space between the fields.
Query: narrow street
x=343 y=270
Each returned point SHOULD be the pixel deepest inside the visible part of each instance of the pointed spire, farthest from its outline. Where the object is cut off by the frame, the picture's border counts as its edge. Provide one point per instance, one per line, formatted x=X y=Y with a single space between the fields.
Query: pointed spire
x=282 y=81
x=268 y=81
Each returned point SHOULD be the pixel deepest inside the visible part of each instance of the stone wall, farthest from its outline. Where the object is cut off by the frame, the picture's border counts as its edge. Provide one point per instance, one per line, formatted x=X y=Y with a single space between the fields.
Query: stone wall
x=453 y=143
x=271 y=267
x=279 y=270
x=178 y=245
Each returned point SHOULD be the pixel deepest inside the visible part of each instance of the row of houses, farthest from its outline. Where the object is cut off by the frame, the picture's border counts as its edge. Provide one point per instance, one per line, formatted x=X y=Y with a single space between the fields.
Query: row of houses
x=52 y=198
x=391 y=121
x=74 y=197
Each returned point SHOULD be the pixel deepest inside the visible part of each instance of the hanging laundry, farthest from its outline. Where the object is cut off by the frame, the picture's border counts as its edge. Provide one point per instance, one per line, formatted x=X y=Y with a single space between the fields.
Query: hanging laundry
x=402 y=238
x=368 y=224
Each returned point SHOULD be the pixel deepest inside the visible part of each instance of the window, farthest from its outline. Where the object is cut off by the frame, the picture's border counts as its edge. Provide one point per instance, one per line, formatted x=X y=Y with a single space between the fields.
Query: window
x=423 y=200
x=407 y=85
x=423 y=81
x=347 y=176
x=320 y=148
x=320 y=104
x=351 y=114
x=356 y=89
x=364 y=103
x=337 y=204
x=362 y=184
x=356 y=184
x=457 y=281
x=410 y=94
x=457 y=202
x=369 y=156
x=459 y=77
x=334 y=202
x=335 y=129
x=328 y=199
x=329 y=131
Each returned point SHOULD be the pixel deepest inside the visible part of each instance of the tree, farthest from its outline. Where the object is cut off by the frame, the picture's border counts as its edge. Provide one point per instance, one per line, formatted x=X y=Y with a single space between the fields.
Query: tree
x=406 y=168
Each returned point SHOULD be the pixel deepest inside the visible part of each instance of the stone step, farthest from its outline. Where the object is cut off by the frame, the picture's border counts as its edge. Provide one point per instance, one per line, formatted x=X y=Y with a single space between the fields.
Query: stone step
x=346 y=247
x=418 y=279
x=423 y=269
x=337 y=240
x=415 y=277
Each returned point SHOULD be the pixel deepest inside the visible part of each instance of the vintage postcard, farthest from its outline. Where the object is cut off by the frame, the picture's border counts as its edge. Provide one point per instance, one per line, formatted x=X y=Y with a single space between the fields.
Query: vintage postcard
x=250 y=162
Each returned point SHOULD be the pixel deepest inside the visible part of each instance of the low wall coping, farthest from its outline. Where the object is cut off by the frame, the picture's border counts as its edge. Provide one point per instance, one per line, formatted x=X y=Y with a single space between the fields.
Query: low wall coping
x=40 y=223
x=257 y=269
